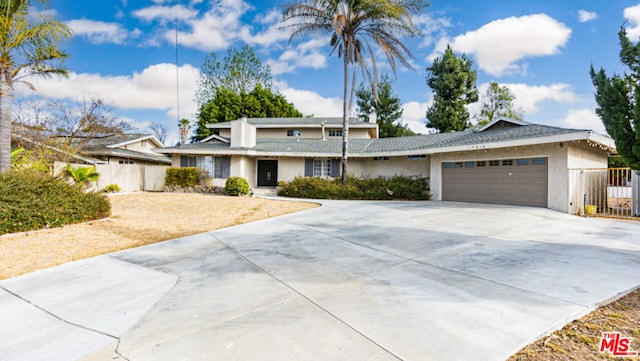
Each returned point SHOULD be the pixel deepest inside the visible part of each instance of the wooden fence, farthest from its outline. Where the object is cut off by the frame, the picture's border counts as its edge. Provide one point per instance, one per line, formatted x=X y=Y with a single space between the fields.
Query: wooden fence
x=129 y=177
x=605 y=192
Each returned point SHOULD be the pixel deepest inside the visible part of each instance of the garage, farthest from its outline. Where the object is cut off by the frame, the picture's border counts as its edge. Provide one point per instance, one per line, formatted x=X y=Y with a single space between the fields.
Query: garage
x=522 y=181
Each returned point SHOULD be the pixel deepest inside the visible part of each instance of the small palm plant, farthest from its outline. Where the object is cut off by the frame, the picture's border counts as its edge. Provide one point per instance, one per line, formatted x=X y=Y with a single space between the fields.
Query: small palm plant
x=83 y=176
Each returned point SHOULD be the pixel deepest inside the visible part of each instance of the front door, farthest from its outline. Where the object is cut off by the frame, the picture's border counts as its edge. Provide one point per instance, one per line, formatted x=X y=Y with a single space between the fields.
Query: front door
x=267 y=173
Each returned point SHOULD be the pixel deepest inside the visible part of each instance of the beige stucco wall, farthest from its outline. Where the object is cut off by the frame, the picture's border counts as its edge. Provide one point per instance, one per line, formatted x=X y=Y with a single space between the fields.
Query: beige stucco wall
x=144 y=146
x=583 y=156
x=558 y=198
x=289 y=168
x=367 y=167
x=314 y=133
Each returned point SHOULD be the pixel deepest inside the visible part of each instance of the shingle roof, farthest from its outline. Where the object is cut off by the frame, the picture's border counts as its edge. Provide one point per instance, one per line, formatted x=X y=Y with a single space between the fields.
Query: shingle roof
x=131 y=154
x=418 y=143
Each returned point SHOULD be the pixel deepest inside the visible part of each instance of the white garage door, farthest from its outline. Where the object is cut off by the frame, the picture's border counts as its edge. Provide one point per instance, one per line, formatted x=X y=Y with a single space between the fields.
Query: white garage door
x=521 y=181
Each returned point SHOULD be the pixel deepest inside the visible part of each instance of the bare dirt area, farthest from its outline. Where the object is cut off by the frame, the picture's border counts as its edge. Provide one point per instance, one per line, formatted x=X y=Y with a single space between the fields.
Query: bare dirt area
x=580 y=340
x=136 y=219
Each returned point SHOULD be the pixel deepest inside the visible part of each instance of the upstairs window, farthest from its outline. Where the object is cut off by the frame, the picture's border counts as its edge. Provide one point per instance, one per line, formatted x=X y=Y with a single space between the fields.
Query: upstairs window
x=335 y=132
x=293 y=133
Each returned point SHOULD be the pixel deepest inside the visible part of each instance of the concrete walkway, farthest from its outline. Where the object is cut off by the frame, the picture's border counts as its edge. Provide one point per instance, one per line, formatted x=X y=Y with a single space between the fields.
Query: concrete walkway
x=346 y=281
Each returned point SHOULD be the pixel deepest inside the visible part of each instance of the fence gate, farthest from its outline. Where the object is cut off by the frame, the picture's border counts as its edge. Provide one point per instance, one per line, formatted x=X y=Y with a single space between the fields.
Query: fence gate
x=606 y=192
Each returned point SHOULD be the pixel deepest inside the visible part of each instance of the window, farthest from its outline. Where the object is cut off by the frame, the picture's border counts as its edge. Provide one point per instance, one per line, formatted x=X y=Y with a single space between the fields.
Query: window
x=447 y=165
x=335 y=132
x=216 y=167
x=222 y=167
x=322 y=167
x=469 y=164
x=380 y=158
x=316 y=167
x=522 y=162
x=481 y=164
x=293 y=133
x=494 y=163
x=416 y=157
x=125 y=162
x=507 y=162
x=457 y=165
x=538 y=161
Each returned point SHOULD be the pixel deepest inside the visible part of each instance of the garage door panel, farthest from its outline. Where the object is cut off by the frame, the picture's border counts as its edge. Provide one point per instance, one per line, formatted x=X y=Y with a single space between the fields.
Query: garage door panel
x=512 y=182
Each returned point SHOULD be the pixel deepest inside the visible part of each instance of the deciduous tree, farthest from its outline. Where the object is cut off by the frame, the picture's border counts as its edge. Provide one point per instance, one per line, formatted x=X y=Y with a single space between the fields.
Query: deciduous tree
x=498 y=102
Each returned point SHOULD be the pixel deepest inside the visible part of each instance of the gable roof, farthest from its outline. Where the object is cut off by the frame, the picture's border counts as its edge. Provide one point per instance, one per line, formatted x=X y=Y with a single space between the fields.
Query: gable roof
x=503 y=122
x=523 y=135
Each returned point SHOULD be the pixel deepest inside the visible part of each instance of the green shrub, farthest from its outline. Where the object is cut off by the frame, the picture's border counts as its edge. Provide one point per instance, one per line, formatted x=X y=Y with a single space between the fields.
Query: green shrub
x=111 y=188
x=31 y=200
x=398 y=187
x=236 y=186
x=182 y=177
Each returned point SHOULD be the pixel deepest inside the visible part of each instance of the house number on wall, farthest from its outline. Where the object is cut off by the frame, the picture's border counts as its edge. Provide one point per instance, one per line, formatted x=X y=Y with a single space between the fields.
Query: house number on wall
x=478 y=146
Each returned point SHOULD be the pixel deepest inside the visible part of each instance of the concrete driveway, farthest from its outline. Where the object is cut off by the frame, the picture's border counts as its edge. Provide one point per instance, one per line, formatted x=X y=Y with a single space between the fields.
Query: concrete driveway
x=346 y=281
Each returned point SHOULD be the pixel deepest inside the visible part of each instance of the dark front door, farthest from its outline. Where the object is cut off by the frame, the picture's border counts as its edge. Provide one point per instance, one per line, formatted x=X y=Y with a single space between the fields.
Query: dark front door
x=267 y=173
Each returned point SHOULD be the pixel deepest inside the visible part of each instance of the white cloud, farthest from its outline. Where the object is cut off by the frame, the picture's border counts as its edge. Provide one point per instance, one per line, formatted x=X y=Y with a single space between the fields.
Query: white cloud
x=165 y=14
x=499 y=45
x=414 y=116
x=585 y=16
x=273 y=33
x=99 y=32
x=431 y=28
x=632 y=14
x=582 y=119
x=531 y=97
x=305 y=55
x=152 y=89
x=309 y=102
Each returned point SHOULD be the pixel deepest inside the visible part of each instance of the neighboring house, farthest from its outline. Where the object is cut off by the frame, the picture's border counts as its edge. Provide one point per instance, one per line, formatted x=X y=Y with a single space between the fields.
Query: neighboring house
x=109 y=148
x=123 y=149
x=505 y=162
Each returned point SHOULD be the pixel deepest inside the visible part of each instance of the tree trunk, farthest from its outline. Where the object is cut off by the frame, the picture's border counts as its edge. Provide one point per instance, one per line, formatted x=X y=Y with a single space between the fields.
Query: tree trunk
x=345 y=120
x=5 y=126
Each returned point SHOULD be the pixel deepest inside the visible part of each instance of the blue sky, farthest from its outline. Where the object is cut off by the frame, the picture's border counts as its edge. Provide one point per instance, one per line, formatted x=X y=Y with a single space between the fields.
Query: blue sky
x=124 y=52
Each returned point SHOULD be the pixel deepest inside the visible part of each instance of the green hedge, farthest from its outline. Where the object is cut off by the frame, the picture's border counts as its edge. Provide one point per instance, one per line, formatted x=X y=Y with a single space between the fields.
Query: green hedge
x=182 y=177
x=235 y=186
x=32 y=200
x=398 y=188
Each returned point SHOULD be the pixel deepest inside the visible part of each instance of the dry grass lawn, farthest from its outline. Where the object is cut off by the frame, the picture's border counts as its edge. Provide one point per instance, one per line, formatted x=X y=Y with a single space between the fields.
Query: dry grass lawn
x=137 y=219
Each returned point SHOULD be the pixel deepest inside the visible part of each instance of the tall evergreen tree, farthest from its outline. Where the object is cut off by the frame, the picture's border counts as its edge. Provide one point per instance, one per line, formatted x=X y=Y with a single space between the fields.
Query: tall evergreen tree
x=618 y=99
x=388 y=109
x=498 y=102
x=454 y=85
x=227 y=105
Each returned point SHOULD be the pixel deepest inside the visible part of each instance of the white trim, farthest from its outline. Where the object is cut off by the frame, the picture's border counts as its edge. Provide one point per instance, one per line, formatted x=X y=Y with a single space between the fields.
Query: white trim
x=147 y=137
x=215 y=136
x=509 y=120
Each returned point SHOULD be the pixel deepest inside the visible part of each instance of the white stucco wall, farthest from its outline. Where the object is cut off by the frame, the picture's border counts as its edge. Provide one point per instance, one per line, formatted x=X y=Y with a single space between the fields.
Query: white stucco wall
x=144 y=146
x=558 y=194
x=583 y=156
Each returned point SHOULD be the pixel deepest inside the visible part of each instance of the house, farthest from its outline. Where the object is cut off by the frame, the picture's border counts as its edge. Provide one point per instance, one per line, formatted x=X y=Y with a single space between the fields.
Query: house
x=107 y=148
x=505 y=162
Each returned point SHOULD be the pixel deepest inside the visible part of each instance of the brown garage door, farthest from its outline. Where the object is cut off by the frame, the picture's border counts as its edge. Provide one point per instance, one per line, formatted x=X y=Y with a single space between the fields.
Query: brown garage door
x=506 y=181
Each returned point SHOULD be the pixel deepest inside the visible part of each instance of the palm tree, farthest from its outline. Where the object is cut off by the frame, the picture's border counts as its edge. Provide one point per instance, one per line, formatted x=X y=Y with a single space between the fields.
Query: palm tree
x=354 y=25
x=29 y=45
x=184 y=125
